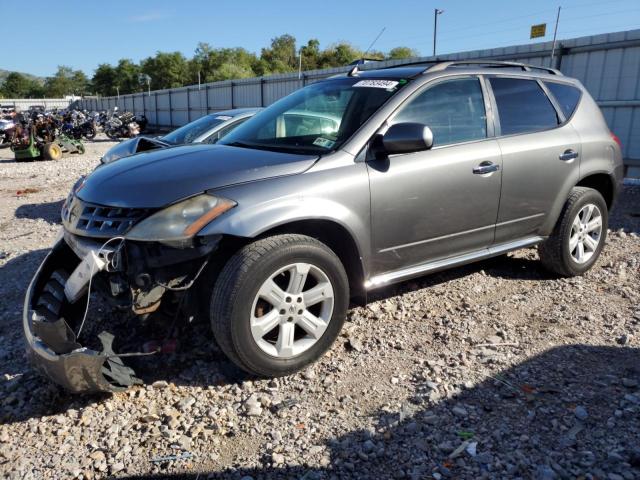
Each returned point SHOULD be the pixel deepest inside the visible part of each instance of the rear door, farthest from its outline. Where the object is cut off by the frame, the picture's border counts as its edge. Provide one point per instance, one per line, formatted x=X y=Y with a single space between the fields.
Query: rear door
x=540 y=155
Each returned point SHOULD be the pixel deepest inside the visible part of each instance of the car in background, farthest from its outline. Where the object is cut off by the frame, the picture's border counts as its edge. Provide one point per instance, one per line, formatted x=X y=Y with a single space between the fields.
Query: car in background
x=207 y=129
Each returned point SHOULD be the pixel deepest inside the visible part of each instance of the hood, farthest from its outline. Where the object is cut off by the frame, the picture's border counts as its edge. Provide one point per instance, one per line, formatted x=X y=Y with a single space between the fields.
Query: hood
x=126 y=148
x=161 y=177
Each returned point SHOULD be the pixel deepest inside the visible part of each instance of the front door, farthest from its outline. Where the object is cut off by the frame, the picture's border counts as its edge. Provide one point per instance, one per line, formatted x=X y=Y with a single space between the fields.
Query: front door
x=442 y=202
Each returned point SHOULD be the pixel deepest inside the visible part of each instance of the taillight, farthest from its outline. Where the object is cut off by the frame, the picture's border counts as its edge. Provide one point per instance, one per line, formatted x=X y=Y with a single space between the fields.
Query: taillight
x=616 y=139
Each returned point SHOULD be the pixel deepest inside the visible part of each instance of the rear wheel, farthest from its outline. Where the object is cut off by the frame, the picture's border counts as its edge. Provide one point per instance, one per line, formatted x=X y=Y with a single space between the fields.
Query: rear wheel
x=52 y=151
x=579 y=236
x=279 y=304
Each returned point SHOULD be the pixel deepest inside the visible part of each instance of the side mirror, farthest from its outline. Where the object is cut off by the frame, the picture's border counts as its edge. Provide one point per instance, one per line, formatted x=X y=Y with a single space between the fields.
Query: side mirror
x=407 y=138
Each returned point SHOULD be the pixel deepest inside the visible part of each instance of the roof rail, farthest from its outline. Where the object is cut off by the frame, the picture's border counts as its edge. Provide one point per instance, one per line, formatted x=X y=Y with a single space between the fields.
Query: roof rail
x=489 y=64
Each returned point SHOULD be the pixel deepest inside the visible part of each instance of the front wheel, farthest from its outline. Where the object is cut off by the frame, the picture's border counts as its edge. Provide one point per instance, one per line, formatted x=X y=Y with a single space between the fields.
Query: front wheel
x=90 y=133
x=279 y=304
x=579 y=236
x=113 y=134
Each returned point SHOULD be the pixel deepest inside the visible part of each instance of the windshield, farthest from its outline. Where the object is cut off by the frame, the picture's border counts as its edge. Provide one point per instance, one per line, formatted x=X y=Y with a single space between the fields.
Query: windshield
x=189 y=132
x=316 y=119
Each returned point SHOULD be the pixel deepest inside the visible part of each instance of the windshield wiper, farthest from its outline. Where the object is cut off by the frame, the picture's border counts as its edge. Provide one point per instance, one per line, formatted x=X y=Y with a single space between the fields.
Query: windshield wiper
x=276 y=148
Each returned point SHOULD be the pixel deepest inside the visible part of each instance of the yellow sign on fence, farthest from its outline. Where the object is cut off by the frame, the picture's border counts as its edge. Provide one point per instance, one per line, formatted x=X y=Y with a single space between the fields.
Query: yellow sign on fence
x=539 y=30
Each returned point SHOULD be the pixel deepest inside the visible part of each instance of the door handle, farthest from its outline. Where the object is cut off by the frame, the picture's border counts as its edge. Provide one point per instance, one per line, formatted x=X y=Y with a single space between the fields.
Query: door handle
x=486 y=167
x=568 y=155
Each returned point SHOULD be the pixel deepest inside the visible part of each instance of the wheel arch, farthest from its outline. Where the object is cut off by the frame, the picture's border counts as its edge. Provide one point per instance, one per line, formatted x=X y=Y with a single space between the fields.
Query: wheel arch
x=333 y=234
x=603 y=183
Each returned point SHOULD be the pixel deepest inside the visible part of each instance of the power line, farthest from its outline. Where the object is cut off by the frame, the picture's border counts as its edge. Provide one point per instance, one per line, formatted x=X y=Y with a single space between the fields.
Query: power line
x=445 y=35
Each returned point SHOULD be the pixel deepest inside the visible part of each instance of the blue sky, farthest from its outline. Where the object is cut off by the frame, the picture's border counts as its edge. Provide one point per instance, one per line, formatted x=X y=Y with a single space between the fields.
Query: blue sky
x=84 y=34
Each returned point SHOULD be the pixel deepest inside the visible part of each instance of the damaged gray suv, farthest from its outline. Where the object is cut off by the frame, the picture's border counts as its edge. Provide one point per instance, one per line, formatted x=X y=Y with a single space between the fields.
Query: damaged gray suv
x=347 y=185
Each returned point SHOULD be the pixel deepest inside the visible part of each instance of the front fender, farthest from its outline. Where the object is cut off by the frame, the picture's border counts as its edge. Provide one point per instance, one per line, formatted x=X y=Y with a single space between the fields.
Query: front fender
x=337 y=195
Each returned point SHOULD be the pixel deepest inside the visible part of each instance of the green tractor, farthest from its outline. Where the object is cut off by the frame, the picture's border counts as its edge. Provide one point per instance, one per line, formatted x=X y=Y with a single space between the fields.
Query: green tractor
x=41 y=140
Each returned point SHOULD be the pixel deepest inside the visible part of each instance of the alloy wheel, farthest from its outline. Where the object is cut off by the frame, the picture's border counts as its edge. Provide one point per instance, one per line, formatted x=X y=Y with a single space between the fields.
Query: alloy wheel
x=292 y=310
x=586 y=233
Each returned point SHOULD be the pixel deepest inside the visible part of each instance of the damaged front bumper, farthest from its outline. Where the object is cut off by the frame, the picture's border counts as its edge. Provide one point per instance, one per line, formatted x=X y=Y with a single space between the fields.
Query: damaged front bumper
x=51 y=343
x=138 y=278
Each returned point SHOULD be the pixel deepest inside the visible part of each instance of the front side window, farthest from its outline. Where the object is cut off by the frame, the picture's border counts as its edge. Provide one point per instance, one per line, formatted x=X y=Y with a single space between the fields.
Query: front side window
x=453 y=110
x=523 y=106
x=567 y=96
x=316 y=119
x=189 y=132
x=215 y=137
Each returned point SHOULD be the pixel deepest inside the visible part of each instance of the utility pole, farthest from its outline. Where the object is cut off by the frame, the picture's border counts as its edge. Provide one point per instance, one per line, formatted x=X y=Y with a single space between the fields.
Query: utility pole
x=436 y=12
x=300 y=63
x=555 y=34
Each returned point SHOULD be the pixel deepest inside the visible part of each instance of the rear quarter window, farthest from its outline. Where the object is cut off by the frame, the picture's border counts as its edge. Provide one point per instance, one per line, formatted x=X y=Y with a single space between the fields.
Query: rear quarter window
x=567 y=96
x=523 y=107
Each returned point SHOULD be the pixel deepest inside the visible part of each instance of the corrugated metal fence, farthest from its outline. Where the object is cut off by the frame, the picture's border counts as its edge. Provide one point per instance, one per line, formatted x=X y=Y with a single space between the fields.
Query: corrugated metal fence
x=608 y=65
x=26 y=103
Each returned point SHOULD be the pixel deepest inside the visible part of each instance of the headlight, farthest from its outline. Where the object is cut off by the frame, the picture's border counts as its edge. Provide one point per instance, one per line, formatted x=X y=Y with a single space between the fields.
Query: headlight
x=181 y=221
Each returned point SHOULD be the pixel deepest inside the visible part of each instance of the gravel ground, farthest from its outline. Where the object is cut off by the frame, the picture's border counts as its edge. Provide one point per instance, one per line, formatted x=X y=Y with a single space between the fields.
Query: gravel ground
x=495 y=370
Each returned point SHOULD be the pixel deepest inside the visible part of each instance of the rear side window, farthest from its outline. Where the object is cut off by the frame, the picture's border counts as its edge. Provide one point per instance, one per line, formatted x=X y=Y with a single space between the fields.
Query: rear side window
x=453 y=110
x=523 y=106
x=566 y=96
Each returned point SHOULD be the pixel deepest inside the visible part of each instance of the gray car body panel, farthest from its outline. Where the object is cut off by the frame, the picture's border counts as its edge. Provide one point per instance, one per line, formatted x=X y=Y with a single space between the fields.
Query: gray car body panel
x=159 y=178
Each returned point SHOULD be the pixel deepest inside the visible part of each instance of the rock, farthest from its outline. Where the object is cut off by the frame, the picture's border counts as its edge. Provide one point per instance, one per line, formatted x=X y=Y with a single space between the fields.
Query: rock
x=97 y=456
x=149 y=418
x=309 y=374
x=355 y=344
x=116 y=467
x=623 y=340
x=253 y=406
x=459 y=411
x=581 y=413
x=186 y=403
x=545 y=472
x=160 y=384
x=277 y=458
x=395 y=380
x=630 y=382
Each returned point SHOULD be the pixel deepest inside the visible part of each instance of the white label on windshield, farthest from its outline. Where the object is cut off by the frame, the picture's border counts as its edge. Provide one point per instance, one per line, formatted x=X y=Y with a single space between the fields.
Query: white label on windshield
x=223 y=117
x=386 y=84
x=323 y=142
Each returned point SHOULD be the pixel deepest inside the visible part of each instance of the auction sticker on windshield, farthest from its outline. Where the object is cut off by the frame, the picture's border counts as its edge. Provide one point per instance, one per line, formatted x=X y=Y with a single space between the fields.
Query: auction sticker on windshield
x=324 y=142
x=386 y=84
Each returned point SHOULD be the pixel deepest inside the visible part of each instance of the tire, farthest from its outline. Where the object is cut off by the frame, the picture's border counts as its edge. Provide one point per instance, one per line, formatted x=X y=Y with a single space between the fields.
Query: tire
x=235 y=301
x=52 y=151
x=112 y=134
x=90 y=133
x=558 y=253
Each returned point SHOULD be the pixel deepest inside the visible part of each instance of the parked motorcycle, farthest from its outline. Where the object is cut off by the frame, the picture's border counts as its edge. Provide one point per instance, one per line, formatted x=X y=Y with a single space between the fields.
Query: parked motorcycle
x=122 y=126
x=7 y=127
x=79 y=127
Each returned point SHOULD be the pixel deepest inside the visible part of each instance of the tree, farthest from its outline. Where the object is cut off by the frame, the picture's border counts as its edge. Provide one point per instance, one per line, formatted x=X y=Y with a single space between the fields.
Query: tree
x=126 y=76
x=402 y=52
x=66 y=81
x=221 y=64
x=310 y=55
x=16 y=85
x=338 y=55
x=104 y=80
x=281 y=56
x=167 y=70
